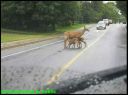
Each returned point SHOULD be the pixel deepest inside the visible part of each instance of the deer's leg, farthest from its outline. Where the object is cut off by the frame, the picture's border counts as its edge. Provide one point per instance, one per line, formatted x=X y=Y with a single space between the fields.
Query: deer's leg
x=74 y=45
x=68 y=45
x=77 y=45
x=65 y=42
x=80 y=45
x=84 y=43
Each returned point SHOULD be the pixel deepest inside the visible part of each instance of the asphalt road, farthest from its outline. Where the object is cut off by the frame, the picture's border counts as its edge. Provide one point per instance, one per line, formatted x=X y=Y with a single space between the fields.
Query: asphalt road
x=49 y=62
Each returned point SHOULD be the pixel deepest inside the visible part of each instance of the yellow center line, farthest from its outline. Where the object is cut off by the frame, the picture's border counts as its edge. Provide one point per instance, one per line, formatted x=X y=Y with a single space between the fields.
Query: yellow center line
x=66 y=66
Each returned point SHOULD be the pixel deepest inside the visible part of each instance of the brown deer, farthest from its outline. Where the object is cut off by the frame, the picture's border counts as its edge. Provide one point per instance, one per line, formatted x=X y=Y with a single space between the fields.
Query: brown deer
x=76 y=34
x=72 y=41
x=79 y=42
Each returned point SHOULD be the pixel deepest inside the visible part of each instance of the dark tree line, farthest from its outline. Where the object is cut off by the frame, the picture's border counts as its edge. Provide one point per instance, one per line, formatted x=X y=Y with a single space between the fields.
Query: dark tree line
x=48 y=15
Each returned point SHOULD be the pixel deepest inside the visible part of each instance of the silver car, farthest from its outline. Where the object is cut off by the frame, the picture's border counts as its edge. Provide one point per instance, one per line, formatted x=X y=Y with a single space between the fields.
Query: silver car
x=110 y=21
x=106 y=21
x=101 y=25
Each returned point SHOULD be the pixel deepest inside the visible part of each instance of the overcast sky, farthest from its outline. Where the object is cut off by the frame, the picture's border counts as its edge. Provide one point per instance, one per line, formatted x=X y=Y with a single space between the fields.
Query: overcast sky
x=109 y=1
x=105 y=1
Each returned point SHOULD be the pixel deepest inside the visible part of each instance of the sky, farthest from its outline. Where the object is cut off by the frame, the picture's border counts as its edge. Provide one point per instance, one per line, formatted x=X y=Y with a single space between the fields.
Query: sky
x=109 y=1
x=106 y=1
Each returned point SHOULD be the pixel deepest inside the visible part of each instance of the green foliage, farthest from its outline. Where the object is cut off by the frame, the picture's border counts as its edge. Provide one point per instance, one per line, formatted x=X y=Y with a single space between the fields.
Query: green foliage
x=96 y=10
x=110 y=11
x=48 y=15
x=44 y=15
x=122 y=5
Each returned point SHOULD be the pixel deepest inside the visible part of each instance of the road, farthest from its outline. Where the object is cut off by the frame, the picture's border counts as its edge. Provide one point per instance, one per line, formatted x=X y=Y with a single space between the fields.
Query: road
x=33 y=66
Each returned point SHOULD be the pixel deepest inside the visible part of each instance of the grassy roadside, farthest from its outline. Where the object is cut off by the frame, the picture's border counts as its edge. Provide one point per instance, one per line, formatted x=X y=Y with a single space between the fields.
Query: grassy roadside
x=8 y=35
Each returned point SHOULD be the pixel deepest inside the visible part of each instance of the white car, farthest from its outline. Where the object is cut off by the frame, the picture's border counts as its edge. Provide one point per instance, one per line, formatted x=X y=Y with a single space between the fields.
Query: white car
x=106 y=21
x=101 y=25
x=110 y=21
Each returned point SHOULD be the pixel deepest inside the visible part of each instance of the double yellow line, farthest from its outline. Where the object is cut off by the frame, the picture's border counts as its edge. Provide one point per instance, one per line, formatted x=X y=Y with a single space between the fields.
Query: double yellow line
x=66 y=66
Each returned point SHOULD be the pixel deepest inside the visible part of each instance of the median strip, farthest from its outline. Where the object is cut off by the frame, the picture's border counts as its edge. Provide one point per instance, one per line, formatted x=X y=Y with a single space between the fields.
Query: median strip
x=24 y=42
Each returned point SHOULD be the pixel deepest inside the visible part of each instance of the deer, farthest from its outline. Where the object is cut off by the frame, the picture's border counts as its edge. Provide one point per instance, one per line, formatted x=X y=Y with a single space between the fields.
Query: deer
x=72 y=41
x=76 y=34
x=79 y=42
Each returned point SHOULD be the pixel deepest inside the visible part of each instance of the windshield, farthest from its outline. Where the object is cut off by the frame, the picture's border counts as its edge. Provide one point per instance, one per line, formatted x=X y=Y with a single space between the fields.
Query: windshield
x=50 y=47
x=101 y=23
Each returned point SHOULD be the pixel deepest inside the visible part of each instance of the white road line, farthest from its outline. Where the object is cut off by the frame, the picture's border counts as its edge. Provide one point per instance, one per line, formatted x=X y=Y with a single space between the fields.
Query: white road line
x=30 y=49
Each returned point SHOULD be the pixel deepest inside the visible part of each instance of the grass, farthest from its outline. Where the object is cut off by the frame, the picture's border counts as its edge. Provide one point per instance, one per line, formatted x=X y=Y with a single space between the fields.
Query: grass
x=8 y=35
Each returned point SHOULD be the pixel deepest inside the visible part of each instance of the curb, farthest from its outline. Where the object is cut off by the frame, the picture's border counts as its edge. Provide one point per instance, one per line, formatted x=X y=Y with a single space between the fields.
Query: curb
x=24 y=42
x=76 y=84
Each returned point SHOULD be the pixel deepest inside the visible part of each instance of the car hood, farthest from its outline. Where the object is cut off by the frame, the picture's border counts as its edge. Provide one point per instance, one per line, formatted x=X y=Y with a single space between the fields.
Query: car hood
x=100 y=25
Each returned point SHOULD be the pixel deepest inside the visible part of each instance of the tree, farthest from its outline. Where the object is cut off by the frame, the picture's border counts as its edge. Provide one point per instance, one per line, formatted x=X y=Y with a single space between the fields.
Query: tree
x=110 y=11
x=87 y=12
x=48 y=15
x=122 y=5
x=39 y=15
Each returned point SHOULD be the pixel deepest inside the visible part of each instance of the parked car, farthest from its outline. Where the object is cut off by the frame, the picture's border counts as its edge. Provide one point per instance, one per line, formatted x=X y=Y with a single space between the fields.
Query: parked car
x=124 y=22
x=110 y=21
x=101 y=25
x=106 y=21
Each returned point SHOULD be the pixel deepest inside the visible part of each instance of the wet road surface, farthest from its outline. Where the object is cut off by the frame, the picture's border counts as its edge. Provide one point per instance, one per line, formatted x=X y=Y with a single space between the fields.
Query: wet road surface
x=32 y=70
